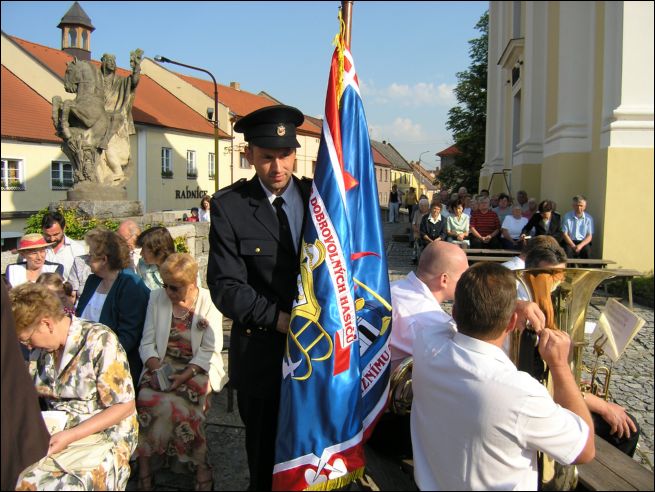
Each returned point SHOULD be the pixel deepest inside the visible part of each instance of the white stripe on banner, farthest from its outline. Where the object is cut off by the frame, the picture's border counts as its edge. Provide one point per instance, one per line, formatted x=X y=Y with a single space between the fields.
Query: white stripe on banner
x=349 y=76
x=334 y=162
x=312 y=459
x=337 y=266
x=375 y=369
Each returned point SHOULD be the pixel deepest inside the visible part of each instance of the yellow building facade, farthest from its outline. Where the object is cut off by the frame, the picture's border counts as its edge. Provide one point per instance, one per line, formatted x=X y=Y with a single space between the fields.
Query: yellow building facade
x=570 y=111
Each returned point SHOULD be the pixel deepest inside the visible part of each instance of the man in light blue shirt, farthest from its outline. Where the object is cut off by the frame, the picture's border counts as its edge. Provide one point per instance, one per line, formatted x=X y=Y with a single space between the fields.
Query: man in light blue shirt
x=577 y=230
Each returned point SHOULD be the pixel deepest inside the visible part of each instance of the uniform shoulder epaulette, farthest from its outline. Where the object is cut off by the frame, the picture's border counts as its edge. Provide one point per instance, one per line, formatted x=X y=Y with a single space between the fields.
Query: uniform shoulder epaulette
x=234 y=186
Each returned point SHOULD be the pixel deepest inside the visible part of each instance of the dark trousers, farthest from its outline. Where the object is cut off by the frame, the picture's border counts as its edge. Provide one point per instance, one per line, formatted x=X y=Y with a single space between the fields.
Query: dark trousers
x=628 y=445
x=392 y=436
x=584 y=252
x=478 y=244
x=260 y=418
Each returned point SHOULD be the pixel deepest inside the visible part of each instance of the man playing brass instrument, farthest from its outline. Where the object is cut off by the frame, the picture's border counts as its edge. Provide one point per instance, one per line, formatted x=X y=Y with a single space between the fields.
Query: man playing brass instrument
x=477 y=422
x=611 y=422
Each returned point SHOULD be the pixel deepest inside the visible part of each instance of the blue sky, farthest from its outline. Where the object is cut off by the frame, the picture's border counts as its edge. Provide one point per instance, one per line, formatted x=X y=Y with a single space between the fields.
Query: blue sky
x=407 y=54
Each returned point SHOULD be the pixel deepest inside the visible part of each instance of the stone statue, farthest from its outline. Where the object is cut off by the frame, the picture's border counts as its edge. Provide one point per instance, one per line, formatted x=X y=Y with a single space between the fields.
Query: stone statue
x=97 y=124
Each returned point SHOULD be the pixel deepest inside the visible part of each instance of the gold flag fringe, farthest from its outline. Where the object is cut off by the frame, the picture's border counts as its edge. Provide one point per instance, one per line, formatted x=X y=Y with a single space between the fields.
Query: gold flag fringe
x=337 y=483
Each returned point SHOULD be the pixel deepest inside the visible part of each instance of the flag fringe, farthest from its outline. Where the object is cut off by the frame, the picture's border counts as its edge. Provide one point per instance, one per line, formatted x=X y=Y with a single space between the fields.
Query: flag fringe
x=337 y=483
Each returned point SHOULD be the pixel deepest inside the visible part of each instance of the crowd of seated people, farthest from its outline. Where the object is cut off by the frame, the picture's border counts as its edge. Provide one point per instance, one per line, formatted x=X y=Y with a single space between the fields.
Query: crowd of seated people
x=501 y=221
x=98 y=323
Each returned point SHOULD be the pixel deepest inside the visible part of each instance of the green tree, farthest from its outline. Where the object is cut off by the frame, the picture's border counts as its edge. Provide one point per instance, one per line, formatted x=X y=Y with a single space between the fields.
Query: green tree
x=77 y=225
x=467 y=121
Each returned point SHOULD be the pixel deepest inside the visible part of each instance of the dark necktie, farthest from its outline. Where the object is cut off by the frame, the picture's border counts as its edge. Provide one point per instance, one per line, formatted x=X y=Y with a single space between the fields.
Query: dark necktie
x=286 y=237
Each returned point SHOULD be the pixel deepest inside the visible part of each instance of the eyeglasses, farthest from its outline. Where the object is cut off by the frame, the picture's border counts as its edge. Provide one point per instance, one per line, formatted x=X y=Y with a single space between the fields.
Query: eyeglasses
x=28 y=341
x=172 y=288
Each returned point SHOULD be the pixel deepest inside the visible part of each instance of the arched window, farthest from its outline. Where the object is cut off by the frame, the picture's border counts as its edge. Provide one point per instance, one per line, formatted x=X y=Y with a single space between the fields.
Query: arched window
x=72 y=38
x=85 y=40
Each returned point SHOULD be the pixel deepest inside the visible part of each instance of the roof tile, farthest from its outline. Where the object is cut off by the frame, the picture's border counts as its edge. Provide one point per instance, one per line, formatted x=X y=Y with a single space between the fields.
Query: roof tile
x=25 y=114
x=153 y=105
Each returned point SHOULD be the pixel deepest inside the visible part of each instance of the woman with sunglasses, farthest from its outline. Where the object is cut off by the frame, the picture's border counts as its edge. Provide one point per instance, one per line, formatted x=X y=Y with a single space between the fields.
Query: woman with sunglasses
x=80 y=369
x=183 y=329
x=113 y=294
x=32 y=251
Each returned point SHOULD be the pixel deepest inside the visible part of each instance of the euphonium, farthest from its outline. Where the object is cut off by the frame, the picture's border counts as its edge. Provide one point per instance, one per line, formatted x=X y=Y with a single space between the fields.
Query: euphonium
x=563 y=294
x=400 y=388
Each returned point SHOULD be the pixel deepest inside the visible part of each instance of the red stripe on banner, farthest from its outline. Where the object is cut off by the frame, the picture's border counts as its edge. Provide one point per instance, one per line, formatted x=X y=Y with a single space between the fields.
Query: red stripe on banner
x=332 y=108
x=341 y=356
x=304 y=476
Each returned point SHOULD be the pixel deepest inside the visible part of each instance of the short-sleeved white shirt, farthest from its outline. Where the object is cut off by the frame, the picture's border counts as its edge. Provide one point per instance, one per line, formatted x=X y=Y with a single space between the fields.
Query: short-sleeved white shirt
x=414 y=309
x=477 y=422
x=514 y=226
x=66 y=254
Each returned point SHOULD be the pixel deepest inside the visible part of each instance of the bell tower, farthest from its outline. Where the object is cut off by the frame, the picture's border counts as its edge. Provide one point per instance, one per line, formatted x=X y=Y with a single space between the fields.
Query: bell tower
x=76 y=29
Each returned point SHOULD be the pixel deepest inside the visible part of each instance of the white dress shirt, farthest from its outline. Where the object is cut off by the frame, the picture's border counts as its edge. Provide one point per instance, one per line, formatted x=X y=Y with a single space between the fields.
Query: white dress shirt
x=414 y=309
x=477 y=422
x=66 y=254
x=292 y=206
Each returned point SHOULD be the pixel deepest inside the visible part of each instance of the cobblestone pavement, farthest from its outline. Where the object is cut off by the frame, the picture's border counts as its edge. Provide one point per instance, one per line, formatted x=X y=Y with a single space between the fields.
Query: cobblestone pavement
x=632 y=387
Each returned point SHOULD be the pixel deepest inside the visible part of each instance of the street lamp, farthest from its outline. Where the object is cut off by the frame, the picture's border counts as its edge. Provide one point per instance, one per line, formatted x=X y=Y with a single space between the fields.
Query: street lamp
x=419 y=157
x=163 y=59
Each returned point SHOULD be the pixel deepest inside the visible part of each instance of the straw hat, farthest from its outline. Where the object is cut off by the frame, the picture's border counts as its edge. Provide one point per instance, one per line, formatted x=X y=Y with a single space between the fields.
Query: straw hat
x=32 y=241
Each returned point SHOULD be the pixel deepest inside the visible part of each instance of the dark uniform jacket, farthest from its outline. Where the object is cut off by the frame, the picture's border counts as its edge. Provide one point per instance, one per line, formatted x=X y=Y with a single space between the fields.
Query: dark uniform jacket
x=252 y=276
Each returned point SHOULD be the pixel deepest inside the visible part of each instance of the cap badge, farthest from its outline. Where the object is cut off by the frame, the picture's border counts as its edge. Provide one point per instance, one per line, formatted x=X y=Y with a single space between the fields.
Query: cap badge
x=281 y=131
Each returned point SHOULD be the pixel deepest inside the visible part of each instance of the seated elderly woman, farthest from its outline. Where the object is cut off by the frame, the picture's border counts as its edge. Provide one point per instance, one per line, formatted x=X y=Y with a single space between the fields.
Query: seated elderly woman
x=79 y=368
x=156 y=245
x=32 y=252
x=183 y=330
x=113 y=294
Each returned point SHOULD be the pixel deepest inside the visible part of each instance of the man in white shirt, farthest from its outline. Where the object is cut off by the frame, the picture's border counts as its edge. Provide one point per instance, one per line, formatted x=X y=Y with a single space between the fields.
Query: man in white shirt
x=64 y=250
x=416 y=302
x=129 y=230
x=477 y=422
x=417 y=298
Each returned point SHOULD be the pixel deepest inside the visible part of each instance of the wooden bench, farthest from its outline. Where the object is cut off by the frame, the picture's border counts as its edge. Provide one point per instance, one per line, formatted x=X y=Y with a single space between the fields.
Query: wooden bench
x=491 y=252
x=613 y=470
x=621 y=273
x=609 y=470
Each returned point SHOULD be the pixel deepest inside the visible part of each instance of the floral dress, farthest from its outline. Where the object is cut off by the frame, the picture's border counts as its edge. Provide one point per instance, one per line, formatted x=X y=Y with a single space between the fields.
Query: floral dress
x=172 y=423
x=94 y=375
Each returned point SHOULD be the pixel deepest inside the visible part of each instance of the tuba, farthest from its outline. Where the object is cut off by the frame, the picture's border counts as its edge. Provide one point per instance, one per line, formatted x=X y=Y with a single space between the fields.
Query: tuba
x=400 y=388
x=563 y=294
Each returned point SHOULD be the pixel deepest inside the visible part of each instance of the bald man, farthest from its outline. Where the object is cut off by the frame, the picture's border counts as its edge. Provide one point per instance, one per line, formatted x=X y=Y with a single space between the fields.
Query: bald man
x=130 y=230
x=416 y=302
x=417 y=298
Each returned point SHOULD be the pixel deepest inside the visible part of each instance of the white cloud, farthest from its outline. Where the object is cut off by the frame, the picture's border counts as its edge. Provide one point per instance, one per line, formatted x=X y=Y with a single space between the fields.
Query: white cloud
x=420 y=94
x=400 y=130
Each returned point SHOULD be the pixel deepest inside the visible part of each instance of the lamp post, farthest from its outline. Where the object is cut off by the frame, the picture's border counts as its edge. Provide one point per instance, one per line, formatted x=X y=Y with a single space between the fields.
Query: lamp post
x=419 y=157
x=163 y=59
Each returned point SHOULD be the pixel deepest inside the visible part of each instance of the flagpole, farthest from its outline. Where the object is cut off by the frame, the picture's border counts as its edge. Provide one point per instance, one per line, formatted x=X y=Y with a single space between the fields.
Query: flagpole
x=347 y=9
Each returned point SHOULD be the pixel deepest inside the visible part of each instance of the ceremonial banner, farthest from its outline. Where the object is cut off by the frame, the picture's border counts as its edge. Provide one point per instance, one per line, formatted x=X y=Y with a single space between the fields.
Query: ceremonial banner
x=336 y=366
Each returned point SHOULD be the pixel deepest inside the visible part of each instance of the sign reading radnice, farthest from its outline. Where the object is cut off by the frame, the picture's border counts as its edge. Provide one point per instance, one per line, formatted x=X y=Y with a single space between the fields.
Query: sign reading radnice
x=187 y=193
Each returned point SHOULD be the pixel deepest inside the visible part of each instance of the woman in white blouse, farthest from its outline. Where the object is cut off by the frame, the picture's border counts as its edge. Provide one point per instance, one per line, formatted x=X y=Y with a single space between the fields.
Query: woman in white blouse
x=32 y=250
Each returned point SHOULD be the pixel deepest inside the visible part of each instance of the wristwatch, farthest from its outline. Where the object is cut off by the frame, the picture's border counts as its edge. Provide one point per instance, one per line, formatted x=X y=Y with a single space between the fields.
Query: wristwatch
x=194 y=370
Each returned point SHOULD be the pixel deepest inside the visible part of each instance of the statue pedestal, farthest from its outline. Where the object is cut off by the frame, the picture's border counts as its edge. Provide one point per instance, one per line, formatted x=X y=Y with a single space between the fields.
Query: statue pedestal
x=102 y=209
x=93 y=192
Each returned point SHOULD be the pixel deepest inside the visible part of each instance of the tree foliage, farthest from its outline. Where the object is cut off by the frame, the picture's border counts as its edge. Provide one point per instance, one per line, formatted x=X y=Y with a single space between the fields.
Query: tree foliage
x=77 y=225
x=467 y=121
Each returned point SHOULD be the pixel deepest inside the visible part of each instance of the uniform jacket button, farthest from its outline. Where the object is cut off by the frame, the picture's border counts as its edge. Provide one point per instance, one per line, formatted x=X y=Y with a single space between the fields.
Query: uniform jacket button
x=248 y=331
x=258 y=250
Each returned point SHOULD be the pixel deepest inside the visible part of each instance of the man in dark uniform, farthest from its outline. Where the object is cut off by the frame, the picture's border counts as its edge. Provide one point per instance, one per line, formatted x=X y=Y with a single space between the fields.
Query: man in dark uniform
x=256 y=227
